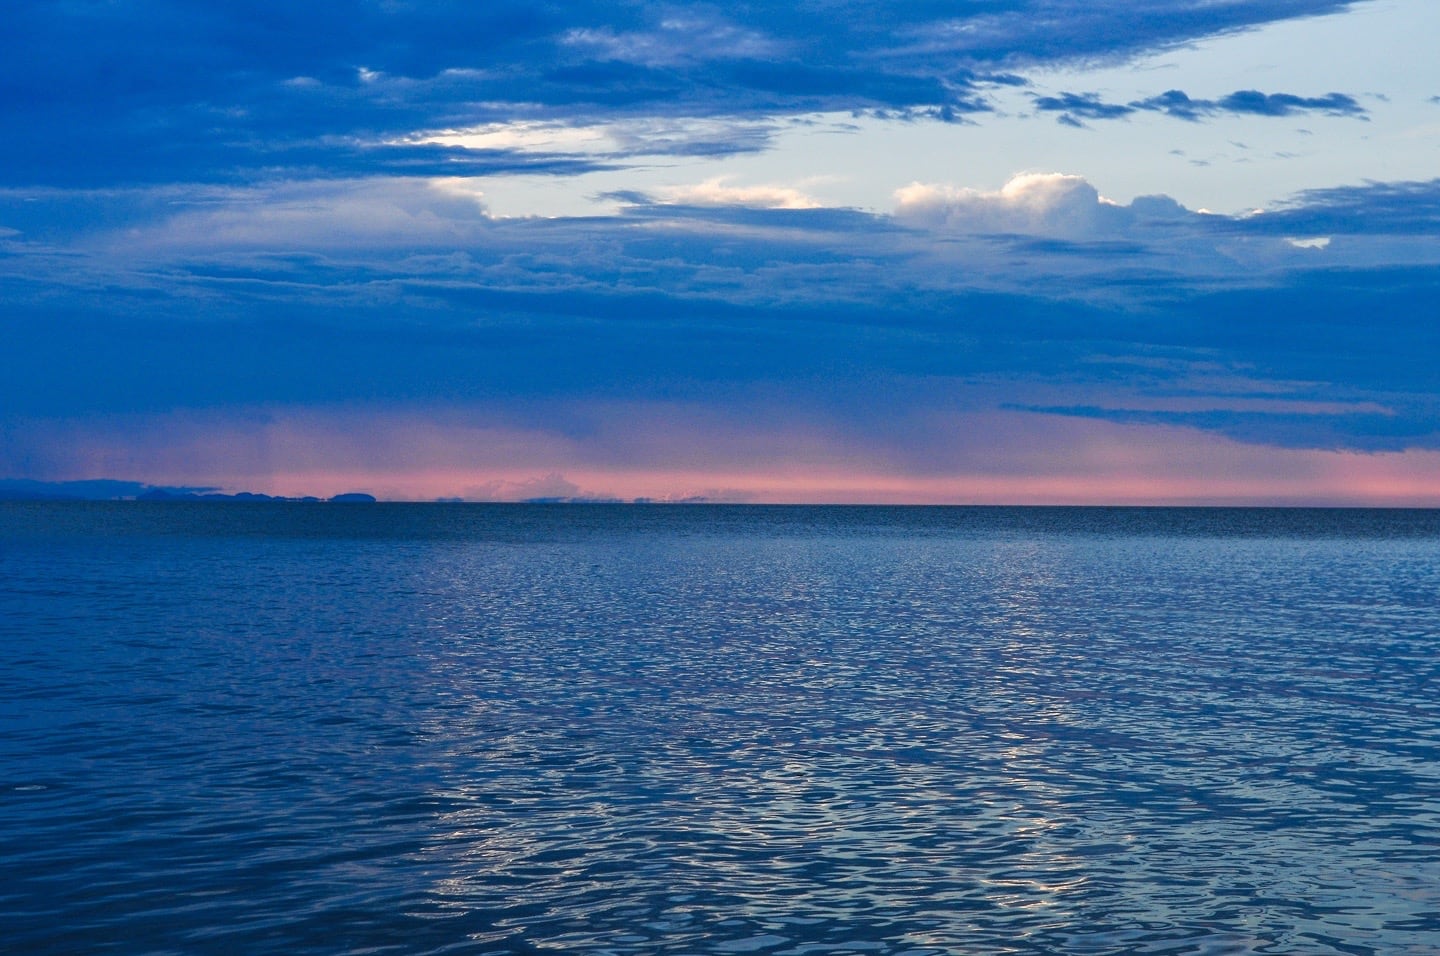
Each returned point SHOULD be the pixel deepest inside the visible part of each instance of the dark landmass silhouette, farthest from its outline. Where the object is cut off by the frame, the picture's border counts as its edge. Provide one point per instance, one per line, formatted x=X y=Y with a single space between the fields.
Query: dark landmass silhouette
x=109 y=489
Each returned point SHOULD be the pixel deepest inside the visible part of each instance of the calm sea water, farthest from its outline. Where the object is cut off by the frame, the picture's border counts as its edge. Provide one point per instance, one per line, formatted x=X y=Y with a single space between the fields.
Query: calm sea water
x=587 y=729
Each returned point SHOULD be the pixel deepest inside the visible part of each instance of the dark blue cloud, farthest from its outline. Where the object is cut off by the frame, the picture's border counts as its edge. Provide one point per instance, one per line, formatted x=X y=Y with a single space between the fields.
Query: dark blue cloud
x=448 y=344
x=1074 y=107
x=1376 y=209
x=1332 y=431
x=155 y=90
x=818 y=310
x=99 y=489
x=1177 y=104
x=1303 y=333
x=1287 y=104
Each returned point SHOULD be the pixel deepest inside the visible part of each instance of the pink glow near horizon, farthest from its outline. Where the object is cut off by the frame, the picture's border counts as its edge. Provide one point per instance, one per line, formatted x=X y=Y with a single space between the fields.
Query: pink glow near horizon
x=1335 y=478
x=1007 y=458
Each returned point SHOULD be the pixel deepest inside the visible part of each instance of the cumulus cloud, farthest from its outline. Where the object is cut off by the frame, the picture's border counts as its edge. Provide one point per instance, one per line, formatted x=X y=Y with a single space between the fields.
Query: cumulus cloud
x=1044 y=204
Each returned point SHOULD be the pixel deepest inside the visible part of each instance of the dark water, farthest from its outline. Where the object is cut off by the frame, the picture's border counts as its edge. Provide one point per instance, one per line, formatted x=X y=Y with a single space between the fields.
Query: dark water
x=510 y=729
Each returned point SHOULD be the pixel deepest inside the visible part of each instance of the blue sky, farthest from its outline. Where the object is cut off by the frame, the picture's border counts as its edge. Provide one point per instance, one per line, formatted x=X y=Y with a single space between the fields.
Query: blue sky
x=985 y=251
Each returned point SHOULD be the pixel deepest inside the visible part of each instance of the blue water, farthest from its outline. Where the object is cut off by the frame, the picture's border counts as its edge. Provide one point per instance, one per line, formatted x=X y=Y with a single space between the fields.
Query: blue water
x=286 y=728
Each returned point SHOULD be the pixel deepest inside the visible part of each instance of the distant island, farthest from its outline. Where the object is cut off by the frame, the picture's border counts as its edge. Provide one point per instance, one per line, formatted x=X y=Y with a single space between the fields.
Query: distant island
x=112 y=489
x=107 y=489
x=160 y=494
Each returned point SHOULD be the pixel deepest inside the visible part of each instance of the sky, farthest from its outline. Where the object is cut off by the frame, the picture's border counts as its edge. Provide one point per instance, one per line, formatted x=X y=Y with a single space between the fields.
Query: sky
x=978 y=251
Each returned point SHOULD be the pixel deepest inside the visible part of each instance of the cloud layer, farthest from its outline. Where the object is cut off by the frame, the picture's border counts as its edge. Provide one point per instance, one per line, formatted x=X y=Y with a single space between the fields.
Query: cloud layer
x=699 y=330
x=145 y=91
x=257 y=248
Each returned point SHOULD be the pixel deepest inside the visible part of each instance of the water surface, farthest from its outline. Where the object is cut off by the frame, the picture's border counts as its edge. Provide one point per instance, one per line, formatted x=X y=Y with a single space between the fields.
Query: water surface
x=286 y=728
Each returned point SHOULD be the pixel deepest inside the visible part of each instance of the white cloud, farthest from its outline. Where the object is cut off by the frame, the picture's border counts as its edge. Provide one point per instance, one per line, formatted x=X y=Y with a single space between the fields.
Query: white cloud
x=523 y=136
x=331 y=214
x=1055 y=234
x=675 y=136
x=1045 y=204
x=717 y=192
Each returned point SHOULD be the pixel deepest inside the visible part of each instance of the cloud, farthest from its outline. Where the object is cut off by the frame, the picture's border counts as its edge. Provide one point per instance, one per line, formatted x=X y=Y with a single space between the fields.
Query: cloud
x=718 y=192
x=1378 y=210
x=148 y=92
x=1177 y=104
x=1051 y=31
x=1287 y=104
x=220 y=326
x=256 y=245
x=99 y=489
x=1271 y=421
x=311 y=215
x=689 y=37
x=1039 y=204
x=1074 y=107
x=542 y=141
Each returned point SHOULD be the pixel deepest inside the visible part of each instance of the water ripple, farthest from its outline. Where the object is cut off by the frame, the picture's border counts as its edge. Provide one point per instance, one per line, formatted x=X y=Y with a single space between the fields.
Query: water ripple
x=667 y=731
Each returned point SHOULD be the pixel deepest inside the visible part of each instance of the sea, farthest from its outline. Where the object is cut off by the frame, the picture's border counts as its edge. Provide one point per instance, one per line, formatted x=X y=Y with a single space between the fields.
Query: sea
x=299 y=728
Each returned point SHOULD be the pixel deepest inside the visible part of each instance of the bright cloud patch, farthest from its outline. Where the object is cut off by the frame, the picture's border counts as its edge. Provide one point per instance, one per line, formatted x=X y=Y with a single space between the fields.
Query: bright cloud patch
x=620 y=139
x=719 y=192
x=1046 y=204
